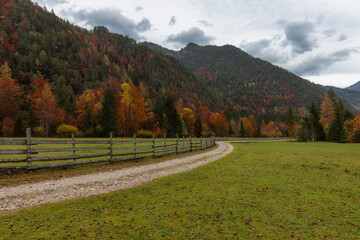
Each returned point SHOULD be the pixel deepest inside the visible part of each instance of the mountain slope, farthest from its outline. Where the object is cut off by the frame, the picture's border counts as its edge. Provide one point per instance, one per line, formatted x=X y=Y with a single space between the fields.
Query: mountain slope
x=250 y=85
x=354 y=87
x=34 y=41
x=351 y=96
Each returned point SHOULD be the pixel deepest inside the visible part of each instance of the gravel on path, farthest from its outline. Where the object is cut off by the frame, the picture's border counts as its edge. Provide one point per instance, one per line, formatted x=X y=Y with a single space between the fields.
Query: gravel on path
x=94 y=184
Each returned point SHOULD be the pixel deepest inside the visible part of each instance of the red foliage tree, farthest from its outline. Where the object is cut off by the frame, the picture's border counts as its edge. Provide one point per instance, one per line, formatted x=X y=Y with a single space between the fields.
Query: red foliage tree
x=10 y=93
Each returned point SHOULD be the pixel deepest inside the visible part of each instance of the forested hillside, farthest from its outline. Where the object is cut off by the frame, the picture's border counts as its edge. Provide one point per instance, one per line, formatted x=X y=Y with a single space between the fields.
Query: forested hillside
x=57 y=79
x=250 y=85
x=351 y=96
x=354 y=87
x=76 y=66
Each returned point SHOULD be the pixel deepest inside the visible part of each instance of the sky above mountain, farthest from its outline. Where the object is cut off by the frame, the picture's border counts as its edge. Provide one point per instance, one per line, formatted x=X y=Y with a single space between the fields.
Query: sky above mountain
x=318 y=40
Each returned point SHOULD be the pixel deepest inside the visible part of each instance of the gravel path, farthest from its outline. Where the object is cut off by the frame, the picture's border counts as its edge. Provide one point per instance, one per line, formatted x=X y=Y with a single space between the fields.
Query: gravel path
x=93 y=184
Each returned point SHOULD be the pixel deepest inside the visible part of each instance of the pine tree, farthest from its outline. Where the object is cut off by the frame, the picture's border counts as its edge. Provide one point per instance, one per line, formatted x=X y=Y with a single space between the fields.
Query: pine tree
x=305 y=131
x=18 y=128
x=108 y=115
x=337 y=130
x=290 y=122
x=198 y=126
x=318 y=133
x=173 y=122
x=242 y=129
x=159 y=111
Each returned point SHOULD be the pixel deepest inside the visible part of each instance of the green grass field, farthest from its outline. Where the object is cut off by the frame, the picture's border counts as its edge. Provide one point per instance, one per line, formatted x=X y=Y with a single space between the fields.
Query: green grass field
x=261 y=190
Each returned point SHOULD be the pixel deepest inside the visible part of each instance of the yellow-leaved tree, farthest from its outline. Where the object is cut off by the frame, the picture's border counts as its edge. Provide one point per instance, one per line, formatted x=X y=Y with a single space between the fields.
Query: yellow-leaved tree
x=327 y=112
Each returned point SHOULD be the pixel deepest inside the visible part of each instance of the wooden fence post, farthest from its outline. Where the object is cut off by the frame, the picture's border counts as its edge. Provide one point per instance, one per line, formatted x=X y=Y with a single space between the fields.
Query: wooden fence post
x=177 y=143
x=134 y=145
x=111 y=147
x=165 y=143
x=190 y=144
x=153 y=145
x=183 y=143
x=196 y=146
x=28 y=148
x=73 y=145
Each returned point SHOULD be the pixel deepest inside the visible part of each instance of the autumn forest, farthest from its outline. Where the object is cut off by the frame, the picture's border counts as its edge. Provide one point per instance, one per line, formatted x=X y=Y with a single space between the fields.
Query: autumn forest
x=58 y=79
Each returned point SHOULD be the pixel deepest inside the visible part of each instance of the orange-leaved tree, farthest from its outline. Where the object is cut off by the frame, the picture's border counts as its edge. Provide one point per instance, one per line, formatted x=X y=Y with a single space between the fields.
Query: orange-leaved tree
x=88 y=107
x=327 y=112
x=132 y=111
x=353 y=125
x=10 y=93
x=45 y=104
x=250 y=126
x=218 y=124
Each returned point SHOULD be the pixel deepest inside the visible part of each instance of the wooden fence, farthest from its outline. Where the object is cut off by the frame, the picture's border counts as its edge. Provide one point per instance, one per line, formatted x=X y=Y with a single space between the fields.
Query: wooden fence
x=29 y=154
x=243 y=139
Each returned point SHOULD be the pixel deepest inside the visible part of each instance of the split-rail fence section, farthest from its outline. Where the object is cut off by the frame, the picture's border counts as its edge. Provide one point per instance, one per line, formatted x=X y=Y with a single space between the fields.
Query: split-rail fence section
x=30 y=153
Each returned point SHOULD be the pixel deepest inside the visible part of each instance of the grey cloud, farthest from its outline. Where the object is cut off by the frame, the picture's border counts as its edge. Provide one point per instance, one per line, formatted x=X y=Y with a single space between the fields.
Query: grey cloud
x=144 y=25
x=299 y=35
x=264 y=49
x=315 y=65
x=255 y=47
x=205 y=23
x=115 y=21
x=343 y=37
x=52 y=3
x=194 y=35
x=281 y=22
x=172 y=21
x=139 y=9
x=329 y=33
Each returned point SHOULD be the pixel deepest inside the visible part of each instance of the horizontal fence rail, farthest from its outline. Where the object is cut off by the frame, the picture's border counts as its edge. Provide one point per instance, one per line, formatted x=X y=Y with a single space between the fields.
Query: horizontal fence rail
x=259 y=139
x=31 y=154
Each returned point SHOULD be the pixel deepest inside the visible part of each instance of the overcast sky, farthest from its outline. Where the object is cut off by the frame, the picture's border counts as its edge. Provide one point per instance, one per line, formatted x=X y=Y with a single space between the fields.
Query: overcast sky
x=316 y=39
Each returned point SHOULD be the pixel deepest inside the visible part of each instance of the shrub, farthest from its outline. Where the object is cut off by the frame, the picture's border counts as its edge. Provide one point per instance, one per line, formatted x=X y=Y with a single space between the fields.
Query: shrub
x=265 y=134
x=159 y=133
x=277 y=132
x=65 y=130
x=39 y=131
x=144 y=133
x=356 y=136
x=89 y=132
x=98 y=130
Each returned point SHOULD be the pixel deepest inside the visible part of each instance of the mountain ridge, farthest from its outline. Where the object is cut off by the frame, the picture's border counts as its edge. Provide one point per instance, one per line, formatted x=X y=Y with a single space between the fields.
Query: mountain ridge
x=354 y=87
x=252 y=85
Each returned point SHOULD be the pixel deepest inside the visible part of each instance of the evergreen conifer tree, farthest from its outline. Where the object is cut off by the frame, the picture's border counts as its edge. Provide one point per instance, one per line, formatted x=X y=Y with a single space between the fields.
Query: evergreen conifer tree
x=290 y=122
x=108 y=115
x=318 y=132
x=18 y=126
x=337 y=131
x=173 y=122
x=198 y=126
x=242 y=129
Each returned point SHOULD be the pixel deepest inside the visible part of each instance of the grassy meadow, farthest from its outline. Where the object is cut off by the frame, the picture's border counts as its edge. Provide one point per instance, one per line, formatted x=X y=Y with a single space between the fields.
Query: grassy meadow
x=261 y=190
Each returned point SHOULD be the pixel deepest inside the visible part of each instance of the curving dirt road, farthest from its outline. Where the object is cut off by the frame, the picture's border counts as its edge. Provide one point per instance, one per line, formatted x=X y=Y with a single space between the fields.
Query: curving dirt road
x=93 y=184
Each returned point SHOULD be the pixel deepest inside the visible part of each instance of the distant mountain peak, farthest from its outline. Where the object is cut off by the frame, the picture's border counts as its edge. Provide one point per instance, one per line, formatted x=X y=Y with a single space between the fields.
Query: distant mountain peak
x=191 y=44
x=354 y=87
